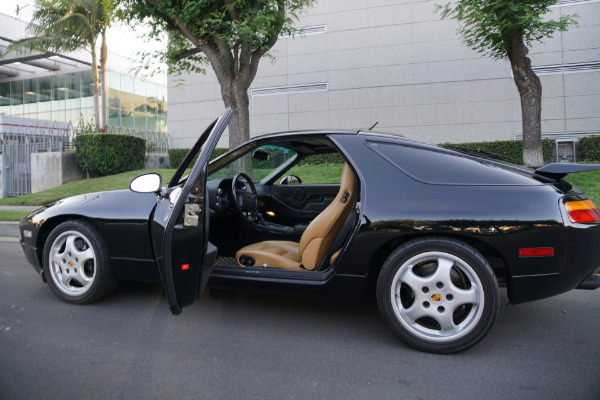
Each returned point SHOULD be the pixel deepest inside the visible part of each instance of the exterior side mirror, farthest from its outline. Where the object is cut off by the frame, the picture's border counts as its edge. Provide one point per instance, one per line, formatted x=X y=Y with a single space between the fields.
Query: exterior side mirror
x=290 y=180
x=261 y=155
x=146 y=183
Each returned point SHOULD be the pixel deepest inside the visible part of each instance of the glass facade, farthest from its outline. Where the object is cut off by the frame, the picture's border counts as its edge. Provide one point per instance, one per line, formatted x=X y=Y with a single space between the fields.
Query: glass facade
x=132 y=103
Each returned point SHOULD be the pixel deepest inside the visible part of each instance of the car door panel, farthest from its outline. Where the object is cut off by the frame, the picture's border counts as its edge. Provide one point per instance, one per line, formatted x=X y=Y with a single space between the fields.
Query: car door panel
x=298 y=204
x=183 y=254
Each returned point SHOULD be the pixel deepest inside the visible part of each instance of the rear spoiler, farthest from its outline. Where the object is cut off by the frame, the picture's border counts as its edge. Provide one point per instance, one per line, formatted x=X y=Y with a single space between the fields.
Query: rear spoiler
x=558 y=171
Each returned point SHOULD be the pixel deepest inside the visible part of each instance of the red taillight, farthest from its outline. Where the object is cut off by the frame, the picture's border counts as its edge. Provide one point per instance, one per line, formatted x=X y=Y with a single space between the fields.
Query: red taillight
x=582 y=211
x=185 y=267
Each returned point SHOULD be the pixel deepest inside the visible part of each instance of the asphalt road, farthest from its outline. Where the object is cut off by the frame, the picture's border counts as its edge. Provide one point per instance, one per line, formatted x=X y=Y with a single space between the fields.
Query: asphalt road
x=255 y=346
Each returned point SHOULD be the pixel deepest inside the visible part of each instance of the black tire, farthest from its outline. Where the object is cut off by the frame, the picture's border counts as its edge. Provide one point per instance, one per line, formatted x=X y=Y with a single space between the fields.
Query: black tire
x=76 y=263
x=432 y=310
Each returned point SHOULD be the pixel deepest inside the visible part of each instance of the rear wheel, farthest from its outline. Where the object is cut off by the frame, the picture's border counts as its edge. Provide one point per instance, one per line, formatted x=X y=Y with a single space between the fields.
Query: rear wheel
x=76 y=264
x=438 y=295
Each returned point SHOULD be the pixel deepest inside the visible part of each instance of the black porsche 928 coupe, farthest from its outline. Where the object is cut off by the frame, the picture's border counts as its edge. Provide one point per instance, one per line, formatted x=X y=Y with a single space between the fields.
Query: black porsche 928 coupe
x=432 y=232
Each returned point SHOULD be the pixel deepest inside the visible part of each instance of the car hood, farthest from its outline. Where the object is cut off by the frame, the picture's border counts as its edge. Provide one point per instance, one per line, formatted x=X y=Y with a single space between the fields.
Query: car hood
x=118 y=204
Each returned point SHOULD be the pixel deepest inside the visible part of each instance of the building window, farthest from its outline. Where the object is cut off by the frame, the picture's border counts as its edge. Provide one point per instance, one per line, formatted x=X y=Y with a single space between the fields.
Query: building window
x=44 y=94
x=5 y=98
x=131 y=103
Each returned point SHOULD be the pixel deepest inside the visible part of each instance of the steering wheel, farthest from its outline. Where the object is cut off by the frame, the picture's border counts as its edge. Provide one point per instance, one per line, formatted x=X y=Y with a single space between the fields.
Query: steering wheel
x=244 y=197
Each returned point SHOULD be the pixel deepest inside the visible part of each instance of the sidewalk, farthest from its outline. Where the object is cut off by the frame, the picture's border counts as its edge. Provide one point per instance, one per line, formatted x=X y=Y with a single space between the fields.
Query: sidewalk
x=24 y=208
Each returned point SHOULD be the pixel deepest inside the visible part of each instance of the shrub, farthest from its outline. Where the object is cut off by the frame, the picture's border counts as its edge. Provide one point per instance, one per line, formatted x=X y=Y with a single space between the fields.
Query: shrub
x=322 y=159
x=109 y=154
x=176 y=156
x=589 y=149
x=512 y=149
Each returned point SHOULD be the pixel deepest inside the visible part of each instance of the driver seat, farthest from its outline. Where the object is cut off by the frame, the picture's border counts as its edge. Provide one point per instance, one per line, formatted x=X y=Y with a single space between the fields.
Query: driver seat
x=316 y=240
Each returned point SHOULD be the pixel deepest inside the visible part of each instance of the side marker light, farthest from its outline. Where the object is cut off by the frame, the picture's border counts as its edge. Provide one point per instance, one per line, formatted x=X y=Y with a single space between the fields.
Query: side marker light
x=536 y=252
x=185 y=267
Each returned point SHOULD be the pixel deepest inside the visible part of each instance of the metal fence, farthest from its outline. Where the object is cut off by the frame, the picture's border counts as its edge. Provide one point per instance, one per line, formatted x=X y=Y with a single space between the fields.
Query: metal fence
x=19 y=137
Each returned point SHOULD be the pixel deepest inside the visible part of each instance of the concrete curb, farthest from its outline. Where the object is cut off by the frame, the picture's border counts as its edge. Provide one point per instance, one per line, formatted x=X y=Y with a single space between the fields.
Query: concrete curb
x=9 y=229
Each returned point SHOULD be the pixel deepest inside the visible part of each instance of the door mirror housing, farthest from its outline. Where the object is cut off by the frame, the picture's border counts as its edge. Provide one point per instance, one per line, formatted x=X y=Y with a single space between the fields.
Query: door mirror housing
x=290 y=180
x=261 y=155
x=146 y=183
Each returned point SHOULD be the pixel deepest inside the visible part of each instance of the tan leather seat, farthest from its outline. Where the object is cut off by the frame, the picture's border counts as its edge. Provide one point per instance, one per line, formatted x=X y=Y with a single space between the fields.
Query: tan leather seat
x=316 y=240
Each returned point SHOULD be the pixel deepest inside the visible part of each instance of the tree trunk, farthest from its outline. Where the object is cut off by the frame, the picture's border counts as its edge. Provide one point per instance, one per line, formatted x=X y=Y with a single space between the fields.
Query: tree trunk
x=103 y=59
x=95 y=87
x=530 y=92
x=235 y=95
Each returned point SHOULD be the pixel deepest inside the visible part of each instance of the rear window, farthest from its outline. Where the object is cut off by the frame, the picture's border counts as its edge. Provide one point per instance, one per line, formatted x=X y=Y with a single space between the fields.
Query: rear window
x=442 y=168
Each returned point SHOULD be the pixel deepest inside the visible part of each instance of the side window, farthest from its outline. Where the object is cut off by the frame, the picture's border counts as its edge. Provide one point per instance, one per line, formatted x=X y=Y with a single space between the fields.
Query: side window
x=256 y=163
x=438 y=167
x=318 y=169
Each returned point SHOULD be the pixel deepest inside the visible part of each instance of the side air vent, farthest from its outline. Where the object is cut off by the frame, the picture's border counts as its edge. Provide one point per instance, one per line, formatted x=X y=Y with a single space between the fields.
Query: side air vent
x=562 y=3
x=309 y=30
x=567 y=68
x=310 y=87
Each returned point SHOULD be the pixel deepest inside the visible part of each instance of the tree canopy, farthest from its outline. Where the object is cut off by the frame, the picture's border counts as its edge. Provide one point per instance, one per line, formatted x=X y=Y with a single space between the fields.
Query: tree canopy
x=505 y=29
x=487 y=25
x=230 y=35
x=67 y=25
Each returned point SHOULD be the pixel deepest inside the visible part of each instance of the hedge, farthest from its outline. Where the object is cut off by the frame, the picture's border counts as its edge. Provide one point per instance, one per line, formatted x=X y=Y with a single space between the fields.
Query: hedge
x=107 y=153
x=589 y=149
x=323 y=159
x=176 y=156
x=512 y=149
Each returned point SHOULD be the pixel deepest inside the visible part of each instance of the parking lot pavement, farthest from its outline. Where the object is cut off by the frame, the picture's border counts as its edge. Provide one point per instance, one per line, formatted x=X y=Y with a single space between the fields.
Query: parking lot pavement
x=268 y=346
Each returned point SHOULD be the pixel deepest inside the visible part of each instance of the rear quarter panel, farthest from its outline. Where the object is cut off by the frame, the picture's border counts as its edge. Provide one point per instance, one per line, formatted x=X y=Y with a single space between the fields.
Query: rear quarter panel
x=497 y=220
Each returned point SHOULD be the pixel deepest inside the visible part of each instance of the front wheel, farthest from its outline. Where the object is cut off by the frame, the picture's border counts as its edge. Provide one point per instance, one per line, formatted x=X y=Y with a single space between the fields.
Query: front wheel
x=76 y=264
x=438 y=295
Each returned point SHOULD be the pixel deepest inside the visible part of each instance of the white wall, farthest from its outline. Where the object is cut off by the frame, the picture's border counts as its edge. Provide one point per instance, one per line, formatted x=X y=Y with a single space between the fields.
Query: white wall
x=401 y=65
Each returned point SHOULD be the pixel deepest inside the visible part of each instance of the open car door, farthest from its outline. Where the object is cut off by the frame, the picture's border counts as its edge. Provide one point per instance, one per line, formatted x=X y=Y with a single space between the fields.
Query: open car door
x=183 y=254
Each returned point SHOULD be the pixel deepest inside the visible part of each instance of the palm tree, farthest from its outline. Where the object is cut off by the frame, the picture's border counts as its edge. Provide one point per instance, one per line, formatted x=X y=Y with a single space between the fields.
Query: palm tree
x=68 y=25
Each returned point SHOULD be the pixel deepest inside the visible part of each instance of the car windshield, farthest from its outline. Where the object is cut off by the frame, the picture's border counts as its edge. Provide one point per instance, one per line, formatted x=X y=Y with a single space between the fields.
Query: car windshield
x=257 y=163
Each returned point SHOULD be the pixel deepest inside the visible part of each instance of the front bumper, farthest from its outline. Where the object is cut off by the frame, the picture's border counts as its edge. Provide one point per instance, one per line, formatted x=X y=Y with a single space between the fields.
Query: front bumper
x=27 y=238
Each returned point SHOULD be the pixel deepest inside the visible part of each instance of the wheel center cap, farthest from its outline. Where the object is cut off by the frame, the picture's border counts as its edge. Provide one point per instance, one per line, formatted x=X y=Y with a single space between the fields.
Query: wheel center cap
x=70 y=263
x=436 y=297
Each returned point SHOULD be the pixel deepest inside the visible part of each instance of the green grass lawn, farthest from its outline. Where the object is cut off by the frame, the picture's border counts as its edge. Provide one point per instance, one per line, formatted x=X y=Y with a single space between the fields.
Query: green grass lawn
x=588 y=181
x=12 y=215
x=112 y=182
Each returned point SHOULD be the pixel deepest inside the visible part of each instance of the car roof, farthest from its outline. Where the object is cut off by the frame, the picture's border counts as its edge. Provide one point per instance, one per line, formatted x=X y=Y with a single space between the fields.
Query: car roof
x=374 y=135
x=367 y=134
